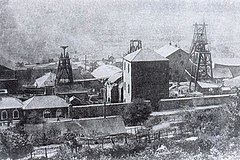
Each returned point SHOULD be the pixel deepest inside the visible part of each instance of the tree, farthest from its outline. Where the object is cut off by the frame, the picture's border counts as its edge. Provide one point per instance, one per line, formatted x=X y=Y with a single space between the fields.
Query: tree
x=136 y=112
x=15 y=145
x=34 y=118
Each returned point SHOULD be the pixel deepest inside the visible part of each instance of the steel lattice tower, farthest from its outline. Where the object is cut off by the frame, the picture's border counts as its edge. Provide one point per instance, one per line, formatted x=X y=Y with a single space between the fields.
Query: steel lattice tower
x=200 y=57
x=64 y=71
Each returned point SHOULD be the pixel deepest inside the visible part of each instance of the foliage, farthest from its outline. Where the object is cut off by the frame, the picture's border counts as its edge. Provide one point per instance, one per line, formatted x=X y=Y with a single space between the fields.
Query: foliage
x=52 y=136
x=15 y=145
x=34 y=118
x=137 y=112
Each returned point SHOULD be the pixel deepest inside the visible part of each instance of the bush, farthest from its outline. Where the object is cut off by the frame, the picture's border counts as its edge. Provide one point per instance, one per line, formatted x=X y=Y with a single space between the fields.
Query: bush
x=15 y=145
x=137 y=112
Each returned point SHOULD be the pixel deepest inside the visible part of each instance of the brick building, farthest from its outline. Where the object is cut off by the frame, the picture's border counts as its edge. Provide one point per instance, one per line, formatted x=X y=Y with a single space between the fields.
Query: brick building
x=177 y=61
x=145 y=75
x=49 y=106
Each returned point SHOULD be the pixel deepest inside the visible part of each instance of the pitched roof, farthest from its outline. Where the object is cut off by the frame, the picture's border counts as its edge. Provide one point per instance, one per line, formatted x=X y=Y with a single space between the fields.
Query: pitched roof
x=10 y=102
x=115 y=77
x=167 y=50
x=227 y=61
x=99 y=126
x=222 y=73
x=40 y=102
x=46 y=80
x=144 y=55
x=105 y=71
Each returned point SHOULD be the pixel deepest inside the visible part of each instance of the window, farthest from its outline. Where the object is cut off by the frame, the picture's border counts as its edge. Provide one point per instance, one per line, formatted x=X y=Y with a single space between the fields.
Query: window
x=58 y=113
x=4 y=115
x=15 y=114
x=47 y=113
x=128 y=68
x=128 y=88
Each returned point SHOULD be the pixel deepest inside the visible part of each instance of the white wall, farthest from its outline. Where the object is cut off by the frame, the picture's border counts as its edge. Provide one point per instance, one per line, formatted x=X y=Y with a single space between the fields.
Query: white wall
x=127 y=79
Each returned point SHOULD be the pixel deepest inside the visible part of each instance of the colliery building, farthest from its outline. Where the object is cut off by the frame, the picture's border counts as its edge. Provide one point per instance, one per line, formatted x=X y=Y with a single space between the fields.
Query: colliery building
x=177 y=61
x=7 y=79
x=145 y=75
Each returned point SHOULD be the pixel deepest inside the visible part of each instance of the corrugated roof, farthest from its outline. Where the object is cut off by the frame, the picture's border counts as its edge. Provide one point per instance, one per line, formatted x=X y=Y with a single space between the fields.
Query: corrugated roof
x=222 y=73
x=234 y=82
x=105 y=71
x=10 y=102
x=115 y=77
x=167 y=50
x=144 y=55
x=227 y=61
x=40 y=102
x=208 y=85
x=47 y=80
x=111 y=125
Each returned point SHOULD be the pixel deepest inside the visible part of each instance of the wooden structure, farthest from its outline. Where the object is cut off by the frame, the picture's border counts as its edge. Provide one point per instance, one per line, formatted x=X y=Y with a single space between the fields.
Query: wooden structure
x=64 y=71
x=200 y=57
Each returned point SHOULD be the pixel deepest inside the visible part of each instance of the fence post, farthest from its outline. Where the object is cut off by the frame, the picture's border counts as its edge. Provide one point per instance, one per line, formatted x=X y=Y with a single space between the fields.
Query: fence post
x=112 y=141
x=102 y=142
x=149 y=138
x=126 y=139
x=46 y=152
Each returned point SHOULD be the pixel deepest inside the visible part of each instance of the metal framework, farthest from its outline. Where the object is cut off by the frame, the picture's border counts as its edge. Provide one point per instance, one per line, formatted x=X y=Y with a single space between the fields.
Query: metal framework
x=200 y=60
x=64 y=71
x=135 y=45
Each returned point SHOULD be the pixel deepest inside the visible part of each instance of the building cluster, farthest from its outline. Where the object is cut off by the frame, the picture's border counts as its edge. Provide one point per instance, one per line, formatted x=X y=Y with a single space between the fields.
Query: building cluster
x=142 y=73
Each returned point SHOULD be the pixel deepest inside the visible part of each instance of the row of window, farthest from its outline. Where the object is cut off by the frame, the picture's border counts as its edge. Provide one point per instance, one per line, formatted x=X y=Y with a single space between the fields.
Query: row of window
x=4 y=114
x=48 y=114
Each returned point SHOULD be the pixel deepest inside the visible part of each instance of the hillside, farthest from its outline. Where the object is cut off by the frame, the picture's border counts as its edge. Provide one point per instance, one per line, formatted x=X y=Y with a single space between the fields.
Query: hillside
x=33 y=30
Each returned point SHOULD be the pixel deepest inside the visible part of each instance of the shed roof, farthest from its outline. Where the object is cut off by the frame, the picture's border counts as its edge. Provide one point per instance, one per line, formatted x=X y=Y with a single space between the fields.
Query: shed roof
x=233 y=82
x=41 y=102
x=144 y=55
x=10 y=102
x=110 y=125
x=222 y=73
x=227 y=61
x=167 y=50
x=105 y=71
x=46 y=80
x=208 y=85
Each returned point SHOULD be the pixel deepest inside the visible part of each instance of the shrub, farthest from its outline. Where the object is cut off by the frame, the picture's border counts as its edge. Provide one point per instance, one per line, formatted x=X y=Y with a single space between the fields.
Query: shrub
x=137 y=112
x=15 y=145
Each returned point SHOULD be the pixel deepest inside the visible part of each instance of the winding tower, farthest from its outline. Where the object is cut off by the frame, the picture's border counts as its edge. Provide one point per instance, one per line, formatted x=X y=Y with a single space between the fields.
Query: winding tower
x=64 y=71
x=200 y=61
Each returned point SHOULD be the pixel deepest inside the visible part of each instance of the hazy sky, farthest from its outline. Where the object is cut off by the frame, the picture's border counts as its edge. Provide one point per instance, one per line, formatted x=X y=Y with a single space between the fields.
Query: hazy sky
x=104 y=27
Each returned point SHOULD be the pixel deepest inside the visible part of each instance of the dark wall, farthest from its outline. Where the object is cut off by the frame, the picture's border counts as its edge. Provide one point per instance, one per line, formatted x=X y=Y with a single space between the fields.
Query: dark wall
x=24 y=76
x=177 y=63
x=150 y=80
x=10 y=84
x=52 y=110
x=6 y=73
